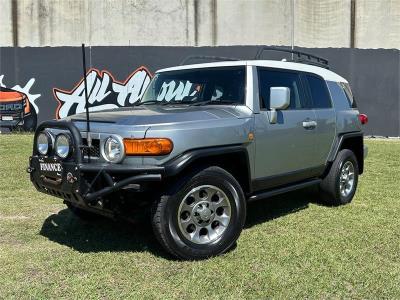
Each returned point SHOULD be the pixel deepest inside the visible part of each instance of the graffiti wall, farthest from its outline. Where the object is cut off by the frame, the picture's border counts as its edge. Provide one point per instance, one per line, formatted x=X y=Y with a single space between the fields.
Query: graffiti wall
x=41 y=83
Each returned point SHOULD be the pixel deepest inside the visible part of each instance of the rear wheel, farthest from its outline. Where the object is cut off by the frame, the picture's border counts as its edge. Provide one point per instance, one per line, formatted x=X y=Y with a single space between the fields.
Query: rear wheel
x=340 y=185
x=201 y=217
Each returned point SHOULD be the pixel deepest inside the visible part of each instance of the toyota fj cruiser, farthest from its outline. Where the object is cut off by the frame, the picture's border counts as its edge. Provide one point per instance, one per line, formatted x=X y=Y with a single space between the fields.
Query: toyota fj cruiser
x=203 y=141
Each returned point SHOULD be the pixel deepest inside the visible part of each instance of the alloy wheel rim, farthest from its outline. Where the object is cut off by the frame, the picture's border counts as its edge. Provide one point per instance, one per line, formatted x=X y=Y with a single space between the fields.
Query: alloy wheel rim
x=346 y=179
x=204 y=214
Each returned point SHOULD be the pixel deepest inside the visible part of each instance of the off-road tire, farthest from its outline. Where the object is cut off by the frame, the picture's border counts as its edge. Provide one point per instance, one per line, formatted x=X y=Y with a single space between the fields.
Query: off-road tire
x=165 y=215
x=330 y=185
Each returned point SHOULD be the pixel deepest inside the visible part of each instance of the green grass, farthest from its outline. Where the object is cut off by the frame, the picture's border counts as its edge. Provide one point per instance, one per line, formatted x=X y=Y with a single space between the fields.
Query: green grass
x=291 y=246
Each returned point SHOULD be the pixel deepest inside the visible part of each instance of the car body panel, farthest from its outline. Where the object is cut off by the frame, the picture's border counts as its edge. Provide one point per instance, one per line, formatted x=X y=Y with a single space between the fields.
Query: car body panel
x=325 y=134
x=277 y=144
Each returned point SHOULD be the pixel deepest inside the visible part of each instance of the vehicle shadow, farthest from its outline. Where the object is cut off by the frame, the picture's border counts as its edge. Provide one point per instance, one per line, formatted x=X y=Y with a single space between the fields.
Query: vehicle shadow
x=100 y=235
x=104 y=235
x=265 y=210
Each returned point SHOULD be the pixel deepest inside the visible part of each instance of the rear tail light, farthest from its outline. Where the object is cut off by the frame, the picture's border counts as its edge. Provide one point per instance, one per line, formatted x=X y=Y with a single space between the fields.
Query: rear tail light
x=363 y=118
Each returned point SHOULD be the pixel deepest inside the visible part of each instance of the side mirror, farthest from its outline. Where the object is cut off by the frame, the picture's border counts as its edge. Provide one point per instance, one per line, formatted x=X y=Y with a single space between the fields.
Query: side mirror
x=279 y=99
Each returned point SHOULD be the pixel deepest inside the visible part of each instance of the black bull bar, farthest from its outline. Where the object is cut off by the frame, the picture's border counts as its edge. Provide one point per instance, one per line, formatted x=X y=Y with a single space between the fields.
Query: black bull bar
x=73 y=185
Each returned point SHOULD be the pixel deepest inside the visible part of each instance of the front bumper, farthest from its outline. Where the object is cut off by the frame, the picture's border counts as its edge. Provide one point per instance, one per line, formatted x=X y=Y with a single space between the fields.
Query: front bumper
x=88 y=182
x=80 y=181
x=11 y=124
x=16 y=116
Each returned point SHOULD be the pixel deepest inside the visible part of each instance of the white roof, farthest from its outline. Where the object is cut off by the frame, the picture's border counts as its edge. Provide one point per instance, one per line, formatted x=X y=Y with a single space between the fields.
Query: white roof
x=324 y=73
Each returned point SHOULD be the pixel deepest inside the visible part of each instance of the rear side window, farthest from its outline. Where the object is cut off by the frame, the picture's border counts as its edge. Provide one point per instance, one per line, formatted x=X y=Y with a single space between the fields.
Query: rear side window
x=319 y=92
x=272 y=78
x=349 y=94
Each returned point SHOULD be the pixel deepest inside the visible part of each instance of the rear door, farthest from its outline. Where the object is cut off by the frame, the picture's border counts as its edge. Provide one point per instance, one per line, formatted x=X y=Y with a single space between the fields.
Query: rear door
x=285 y=151
x=325 y=116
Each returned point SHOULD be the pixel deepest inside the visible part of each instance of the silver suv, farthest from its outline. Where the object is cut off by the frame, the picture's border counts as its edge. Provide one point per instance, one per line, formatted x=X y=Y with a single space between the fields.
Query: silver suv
x=204 y=140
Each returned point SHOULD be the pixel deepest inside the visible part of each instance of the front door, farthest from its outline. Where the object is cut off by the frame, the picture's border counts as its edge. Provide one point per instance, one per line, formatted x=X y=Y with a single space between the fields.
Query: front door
x=285 y=151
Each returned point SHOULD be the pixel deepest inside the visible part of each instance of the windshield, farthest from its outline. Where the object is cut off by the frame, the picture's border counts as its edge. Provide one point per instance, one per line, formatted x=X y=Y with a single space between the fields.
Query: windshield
x=197 y=86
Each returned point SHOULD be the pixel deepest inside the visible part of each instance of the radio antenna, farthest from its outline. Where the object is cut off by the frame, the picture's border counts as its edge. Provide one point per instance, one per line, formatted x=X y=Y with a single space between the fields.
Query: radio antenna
x=88 y=139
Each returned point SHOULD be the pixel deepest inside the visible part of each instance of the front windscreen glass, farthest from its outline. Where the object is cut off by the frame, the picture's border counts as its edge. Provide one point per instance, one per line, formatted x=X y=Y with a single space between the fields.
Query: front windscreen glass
x=197 y=86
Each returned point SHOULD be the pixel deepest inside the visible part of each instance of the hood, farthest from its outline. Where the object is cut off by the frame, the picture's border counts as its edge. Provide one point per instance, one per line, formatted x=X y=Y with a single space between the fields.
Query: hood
x=158 y=114
x=9 y=95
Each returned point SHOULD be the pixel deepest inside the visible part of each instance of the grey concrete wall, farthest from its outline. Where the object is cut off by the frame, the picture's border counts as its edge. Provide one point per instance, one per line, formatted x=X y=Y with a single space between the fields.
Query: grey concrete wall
x=322 y=23
x=6 y=28
x=377 y=24
x=253 y=22
x=317 y=23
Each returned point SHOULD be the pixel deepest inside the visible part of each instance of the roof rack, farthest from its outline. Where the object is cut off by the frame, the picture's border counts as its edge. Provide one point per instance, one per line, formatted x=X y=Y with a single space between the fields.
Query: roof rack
x=222 y=58
x=301 y=57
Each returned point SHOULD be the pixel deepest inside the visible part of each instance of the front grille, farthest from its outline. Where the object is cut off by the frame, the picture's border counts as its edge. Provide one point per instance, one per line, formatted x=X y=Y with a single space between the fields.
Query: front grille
x=14 y=114
x=94 y=150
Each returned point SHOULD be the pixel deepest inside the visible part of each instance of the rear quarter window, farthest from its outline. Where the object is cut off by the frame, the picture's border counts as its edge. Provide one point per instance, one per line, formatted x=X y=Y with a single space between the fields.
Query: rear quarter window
x=349 y=95
x=338 y=95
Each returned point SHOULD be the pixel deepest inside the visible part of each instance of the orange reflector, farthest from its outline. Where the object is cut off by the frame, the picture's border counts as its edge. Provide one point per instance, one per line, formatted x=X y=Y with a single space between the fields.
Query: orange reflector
x=150 y=146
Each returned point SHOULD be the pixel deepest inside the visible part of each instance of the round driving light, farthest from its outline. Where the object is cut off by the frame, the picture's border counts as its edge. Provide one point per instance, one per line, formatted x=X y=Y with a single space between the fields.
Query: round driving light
x=63 y=145
x=113 y=149
x=43 y=143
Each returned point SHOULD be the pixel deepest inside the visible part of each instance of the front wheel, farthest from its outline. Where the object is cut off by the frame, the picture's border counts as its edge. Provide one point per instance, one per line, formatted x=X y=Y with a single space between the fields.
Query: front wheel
x=340 y=185
x=202 y=217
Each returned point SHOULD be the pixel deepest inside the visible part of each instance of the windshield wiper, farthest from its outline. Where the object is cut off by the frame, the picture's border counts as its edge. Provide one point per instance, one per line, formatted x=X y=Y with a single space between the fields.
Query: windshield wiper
x=148 y=102
x=201 y=103
x=178 y=102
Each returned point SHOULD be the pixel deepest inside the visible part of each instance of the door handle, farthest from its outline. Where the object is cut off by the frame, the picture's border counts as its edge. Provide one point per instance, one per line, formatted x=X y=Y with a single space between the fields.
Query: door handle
x=307 y=124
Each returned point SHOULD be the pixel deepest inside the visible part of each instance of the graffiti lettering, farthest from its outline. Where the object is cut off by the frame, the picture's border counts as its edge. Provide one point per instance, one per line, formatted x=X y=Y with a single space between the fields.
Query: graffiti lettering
x=169 y=91
x=104 y=92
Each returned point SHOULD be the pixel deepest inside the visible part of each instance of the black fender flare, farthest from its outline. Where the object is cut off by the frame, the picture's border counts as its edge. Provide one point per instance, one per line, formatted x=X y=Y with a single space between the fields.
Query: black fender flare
x=176 y=165
x=338 y=144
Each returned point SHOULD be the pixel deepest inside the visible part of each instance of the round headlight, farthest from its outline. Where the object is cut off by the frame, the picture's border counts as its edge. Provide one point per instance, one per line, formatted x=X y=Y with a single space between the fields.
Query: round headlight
x=63 y=145
x=113 y=150
x=44 y=143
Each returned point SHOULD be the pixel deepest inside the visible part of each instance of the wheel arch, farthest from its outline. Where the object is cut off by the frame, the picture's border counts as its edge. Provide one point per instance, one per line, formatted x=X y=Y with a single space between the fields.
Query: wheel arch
x=353 y=141
x=234 y=159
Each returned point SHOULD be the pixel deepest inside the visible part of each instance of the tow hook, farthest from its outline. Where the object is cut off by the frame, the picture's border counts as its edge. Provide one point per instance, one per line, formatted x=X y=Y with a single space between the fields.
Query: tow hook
x=71 y=178
x=30 y=170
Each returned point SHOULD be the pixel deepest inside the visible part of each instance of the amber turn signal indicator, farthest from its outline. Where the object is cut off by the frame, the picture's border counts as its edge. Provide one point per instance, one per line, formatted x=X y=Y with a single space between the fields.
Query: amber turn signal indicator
x=148 y=146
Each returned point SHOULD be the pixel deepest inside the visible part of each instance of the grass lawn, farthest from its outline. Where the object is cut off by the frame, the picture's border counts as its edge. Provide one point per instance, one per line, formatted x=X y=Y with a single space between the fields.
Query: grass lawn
x=291 y=247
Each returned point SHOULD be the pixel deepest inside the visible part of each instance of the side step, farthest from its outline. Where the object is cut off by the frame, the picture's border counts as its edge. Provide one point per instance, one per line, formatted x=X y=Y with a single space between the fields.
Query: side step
x=282 y=190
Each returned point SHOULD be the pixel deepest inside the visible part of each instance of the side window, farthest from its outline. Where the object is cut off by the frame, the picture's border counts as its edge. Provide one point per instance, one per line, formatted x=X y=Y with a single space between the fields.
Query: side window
x=338 y=95
x=349 y=94
x=319 y=92
x=272 y=78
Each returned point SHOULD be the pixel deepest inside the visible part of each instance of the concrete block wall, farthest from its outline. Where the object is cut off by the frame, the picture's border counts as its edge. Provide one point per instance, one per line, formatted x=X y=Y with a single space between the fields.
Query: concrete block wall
x=6 y=28
x=377 y=24
x=317 y=23
x=322 y=23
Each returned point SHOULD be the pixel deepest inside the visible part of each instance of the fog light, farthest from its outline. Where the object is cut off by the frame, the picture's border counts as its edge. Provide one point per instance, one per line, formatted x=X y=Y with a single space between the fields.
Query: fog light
x=63 y=145
x=44 y=142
